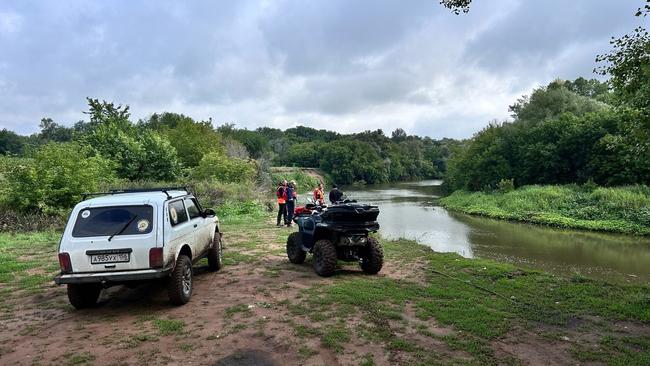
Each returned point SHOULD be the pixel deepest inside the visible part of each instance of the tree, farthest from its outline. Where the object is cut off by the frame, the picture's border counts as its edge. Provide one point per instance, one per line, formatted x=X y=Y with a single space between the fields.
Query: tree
x=398 y=135
x=56 y=176
x=191 y=139
x=628 y=66
x=11 y=142
x=52 y=131
x=457 y=6
x=139 y=154
x=551 y=101
x=218 y=166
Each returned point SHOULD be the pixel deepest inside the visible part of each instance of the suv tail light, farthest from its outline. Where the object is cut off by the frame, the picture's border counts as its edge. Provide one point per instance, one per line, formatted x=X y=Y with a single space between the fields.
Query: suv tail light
x=156 y=257
x=65 y=263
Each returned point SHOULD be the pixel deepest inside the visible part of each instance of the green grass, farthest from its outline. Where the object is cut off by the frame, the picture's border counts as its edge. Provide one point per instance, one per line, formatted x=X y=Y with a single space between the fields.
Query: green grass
x=335 y=336
x=236 y=309
x=305 y=352
x=481 y=299
x=169 y=326
x=620 y=209
x=21 y=253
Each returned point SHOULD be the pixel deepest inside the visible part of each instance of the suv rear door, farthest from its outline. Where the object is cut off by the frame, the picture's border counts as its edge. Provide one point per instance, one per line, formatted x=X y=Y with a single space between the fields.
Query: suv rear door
x=182 y=231
x=112 y=238
x=202 y=231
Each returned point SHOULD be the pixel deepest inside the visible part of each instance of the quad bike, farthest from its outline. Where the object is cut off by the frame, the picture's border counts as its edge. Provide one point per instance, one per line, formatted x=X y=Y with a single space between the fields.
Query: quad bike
x=337 y=232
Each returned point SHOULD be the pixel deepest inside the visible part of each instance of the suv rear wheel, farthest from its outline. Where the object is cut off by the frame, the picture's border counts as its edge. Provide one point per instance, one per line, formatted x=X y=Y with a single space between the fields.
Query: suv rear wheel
x=181 y=281
x=324 y=258
x=215 y=253
x=83 y=296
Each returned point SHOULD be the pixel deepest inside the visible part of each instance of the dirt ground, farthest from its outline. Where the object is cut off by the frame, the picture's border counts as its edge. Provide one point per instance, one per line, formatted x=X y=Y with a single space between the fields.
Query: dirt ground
x=242 y=315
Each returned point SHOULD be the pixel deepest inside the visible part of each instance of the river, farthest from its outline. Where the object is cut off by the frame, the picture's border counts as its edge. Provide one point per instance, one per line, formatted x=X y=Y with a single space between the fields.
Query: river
x=409 y=210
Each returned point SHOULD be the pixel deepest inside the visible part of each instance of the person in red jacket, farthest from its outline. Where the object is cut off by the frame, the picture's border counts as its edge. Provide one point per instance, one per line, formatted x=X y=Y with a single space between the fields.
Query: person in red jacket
x=281 y=194
x=319 y=195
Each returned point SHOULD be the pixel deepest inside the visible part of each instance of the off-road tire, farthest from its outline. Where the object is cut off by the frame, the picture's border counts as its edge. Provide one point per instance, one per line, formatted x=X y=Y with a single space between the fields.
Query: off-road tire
x=83 y=296
x=294 y=248
x=372 y=258
x=215 y=253
x=324 y=258
x=176 y=288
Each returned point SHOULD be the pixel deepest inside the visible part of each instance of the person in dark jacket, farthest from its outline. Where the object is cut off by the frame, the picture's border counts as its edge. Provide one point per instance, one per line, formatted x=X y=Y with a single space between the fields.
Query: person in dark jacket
x=335 y=194
x=282 y=202
x=291 y=201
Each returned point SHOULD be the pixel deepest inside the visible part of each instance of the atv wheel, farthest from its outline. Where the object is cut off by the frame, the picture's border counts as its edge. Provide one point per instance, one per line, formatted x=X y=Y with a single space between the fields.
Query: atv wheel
x=180 y=283
x=373 y=257
x=83 y=296
x=215 y=253
x=294 y=249
x=324 y=258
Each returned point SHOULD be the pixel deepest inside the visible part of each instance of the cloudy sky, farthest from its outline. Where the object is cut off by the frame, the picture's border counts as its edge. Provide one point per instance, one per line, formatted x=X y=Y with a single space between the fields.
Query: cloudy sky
x=343 y=65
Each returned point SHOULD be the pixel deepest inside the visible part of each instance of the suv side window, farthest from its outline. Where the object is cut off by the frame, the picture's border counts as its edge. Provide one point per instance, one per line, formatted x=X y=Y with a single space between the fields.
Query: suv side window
x=192 y=208
x=177 y=213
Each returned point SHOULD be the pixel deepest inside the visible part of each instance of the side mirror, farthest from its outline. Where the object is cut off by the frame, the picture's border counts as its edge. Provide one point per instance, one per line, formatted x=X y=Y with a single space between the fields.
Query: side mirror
x=209 y=212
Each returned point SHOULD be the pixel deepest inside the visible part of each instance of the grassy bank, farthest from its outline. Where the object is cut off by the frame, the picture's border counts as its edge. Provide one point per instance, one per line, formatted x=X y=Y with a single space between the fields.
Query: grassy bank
x=621 y=209
x=423 y=308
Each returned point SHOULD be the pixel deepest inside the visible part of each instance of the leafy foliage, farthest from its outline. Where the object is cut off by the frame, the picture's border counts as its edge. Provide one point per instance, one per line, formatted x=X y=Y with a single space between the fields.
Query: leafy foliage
x=621 y=209
x=558 y=137
x=224 y=169
x=54 y=178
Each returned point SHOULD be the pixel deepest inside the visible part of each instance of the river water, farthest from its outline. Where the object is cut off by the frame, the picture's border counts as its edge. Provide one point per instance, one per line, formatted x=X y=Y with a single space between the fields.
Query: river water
x=409 y=210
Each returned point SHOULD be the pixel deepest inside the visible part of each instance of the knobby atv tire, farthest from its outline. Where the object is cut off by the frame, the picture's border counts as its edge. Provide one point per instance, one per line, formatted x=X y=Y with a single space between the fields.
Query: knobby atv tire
x=324 y=258
x=215 y=253
x=83 y=296
x=294 y=248
x=373 y=257
x=175 y=286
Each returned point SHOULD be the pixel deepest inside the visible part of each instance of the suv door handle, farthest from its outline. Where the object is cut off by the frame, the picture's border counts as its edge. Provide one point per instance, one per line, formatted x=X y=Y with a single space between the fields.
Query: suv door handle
x=195 y=225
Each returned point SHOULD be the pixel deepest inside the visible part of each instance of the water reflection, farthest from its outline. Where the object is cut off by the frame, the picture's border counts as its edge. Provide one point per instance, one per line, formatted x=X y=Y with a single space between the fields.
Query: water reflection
x=408 y=210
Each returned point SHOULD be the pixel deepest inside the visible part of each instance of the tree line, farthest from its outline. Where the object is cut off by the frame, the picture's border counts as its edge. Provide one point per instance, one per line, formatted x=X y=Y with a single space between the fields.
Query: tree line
x=570 y=131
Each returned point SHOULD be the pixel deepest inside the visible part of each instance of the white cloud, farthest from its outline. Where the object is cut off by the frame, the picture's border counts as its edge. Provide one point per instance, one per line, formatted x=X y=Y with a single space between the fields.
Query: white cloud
x=10 y=23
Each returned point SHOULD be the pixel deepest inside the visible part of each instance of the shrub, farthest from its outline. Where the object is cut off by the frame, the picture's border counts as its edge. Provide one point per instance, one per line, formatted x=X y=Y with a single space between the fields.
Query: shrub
x=506 y=185
x=55 y=178
x=217 y=166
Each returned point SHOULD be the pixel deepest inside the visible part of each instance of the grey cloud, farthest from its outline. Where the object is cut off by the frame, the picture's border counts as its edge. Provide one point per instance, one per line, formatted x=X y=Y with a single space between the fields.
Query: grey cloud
x=357 y=64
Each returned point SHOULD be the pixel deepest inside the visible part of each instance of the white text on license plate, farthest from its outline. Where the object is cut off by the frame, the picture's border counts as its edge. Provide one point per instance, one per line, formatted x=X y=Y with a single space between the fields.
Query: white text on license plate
x=109 y=258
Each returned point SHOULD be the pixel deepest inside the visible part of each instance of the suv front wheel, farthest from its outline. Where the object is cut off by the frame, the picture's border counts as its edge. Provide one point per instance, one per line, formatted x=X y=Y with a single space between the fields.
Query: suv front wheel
x=181 y=281
x=215 y=253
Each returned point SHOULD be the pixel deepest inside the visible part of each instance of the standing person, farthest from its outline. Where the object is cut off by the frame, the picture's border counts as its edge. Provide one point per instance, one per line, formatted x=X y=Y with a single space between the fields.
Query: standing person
x=282 y=201
x=319 y=195
x=290 y=192
x=335 y=194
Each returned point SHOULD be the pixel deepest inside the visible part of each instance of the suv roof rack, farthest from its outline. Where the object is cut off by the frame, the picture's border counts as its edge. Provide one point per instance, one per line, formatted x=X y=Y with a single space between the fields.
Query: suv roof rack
x=139 y=190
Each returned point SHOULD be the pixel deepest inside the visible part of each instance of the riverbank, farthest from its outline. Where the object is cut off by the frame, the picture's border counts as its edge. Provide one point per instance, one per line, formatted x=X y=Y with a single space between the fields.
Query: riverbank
x=620 y=210
x=423 y=308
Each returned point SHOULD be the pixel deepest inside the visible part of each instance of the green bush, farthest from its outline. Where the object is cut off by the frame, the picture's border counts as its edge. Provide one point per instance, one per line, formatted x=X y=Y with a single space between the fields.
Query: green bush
x=218 y=166
x=304 y=181
x=55 y=178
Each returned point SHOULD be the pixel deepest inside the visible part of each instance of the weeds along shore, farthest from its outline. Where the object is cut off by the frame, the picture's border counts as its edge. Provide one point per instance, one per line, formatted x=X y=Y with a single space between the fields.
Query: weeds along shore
x=611 y=209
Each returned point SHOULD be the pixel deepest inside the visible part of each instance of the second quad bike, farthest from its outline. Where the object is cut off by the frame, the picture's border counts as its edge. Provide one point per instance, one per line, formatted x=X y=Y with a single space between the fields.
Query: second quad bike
x=337 y=232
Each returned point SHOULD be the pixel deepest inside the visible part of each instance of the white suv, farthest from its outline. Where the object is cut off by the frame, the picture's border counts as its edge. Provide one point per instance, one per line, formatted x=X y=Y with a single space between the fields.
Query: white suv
x=126 y=237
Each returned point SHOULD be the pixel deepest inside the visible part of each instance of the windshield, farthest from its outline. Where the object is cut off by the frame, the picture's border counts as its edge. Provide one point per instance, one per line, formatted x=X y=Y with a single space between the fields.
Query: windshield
x=106 y=221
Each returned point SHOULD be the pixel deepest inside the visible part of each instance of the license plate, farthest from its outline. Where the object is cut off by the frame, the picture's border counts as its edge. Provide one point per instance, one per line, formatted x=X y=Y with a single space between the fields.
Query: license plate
x=110 y=258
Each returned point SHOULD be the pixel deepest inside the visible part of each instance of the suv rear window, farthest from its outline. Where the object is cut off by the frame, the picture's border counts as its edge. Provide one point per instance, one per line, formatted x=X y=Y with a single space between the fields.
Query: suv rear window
x=106 y=221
